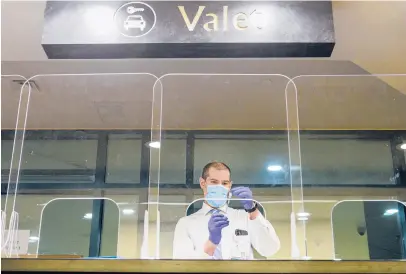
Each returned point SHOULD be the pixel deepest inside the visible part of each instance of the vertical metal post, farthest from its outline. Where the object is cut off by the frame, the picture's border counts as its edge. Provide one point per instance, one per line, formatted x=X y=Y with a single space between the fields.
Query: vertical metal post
x=190 y=159
x=144 y=174
x=96 y=228
x=101 y=159
x=399 y=161
x=144 y=182
x=402 y=225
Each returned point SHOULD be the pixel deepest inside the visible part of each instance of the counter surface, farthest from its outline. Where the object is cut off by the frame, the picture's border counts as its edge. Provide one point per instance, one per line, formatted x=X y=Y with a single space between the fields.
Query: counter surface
x=172 y=266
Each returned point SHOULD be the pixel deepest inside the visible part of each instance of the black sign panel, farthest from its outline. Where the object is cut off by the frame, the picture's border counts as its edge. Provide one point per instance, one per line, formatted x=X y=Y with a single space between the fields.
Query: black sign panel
x=188 y=29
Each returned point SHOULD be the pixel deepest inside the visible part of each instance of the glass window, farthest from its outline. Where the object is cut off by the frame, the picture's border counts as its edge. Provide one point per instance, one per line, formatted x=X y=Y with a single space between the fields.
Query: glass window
x=324 y=161
x=124 y=159
x=29 y=208
x=172 y=208
x=111 y=226
x=346 y=162
x=278 y=213
x=64 y=229
x=46 y=158
x=130 y=229
x=71 y=219
x=252 y=161
x=366 y=230
x=173 y=161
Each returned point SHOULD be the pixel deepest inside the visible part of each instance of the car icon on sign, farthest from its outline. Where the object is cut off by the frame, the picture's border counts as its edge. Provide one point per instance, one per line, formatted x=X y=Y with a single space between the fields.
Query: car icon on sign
x=134 y=22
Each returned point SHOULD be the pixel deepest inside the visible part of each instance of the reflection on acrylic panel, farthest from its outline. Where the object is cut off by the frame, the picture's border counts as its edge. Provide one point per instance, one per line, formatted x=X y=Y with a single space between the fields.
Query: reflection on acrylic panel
x=67 y=226
x=369 y=230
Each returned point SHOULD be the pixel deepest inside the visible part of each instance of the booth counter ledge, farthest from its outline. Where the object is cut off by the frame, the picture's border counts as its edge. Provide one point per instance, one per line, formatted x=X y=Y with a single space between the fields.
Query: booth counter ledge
x=175 y=266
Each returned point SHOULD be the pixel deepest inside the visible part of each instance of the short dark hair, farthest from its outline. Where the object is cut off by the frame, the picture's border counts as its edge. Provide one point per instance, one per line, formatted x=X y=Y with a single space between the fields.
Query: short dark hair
x=216 y=165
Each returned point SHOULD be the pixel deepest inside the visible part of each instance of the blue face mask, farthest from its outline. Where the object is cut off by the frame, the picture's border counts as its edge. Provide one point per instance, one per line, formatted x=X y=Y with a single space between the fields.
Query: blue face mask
x=216 y=195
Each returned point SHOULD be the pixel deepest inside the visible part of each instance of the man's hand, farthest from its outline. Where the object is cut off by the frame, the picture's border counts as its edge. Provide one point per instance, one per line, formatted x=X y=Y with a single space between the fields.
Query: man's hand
x=245 y=194
x=216 y=223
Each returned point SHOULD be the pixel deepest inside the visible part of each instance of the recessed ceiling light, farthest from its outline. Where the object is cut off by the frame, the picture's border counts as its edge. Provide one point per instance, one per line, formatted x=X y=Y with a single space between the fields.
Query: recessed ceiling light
x=33 y=239
x=401 y=146
x=128 y=211
x=88 y=216
x=274 y=168
x=303 y=214
x=303 y=218
x=154 y=144
x=391 y=211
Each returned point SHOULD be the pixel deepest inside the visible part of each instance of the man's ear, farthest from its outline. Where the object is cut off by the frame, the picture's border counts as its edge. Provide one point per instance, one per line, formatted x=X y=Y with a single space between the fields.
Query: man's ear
x=202 y=183
x=229 y=193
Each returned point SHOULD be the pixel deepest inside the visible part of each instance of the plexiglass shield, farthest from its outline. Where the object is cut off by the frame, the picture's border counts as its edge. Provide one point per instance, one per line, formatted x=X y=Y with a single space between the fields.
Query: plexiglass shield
x=352 y=138
x=121 y=158
x=82 y=164
x=239 y=124
x=14 y=103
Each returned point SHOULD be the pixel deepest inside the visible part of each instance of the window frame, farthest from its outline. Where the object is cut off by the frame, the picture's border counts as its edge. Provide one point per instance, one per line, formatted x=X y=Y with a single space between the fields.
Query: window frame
x=99 y=185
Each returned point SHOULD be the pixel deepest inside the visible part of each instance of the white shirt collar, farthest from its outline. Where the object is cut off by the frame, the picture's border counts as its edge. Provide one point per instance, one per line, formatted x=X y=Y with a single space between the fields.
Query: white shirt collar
x=206 y=208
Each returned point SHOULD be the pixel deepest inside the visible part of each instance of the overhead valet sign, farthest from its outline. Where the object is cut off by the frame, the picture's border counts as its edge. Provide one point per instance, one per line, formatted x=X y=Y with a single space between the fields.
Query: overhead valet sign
x=187 y=29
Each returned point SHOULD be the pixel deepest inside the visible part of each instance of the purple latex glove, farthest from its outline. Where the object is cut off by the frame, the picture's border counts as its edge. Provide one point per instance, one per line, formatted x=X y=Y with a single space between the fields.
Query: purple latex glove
x=216 y=223
x=245 y=193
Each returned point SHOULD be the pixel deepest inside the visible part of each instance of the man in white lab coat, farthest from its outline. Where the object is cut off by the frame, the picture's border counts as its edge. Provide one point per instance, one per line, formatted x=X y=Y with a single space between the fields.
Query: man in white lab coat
x=220 y=232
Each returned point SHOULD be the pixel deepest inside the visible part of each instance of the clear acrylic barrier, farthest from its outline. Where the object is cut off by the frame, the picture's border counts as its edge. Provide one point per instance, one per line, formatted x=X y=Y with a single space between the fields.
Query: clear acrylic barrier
x=351 y=129
x=62 y=132
x=346 y=152
x=368 y=217
x=13 y=95
x=241 y=120
x=75 y=219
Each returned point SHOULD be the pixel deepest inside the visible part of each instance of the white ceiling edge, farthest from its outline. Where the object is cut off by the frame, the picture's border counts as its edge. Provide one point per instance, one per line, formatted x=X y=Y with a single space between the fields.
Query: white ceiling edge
x=21 y=30
x=372 y=34
x=22 y=23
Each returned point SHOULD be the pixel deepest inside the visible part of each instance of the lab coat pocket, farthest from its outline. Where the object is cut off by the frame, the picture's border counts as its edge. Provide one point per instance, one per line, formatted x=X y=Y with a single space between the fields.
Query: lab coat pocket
x=242 y=245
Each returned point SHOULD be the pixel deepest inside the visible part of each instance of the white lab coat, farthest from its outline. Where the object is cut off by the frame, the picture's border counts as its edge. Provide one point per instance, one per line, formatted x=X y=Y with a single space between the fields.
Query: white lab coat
x=191 y=233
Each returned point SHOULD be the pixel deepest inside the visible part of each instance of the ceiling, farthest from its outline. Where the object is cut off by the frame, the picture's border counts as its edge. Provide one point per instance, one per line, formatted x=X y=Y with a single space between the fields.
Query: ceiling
x=376 y=45
x=363 y=47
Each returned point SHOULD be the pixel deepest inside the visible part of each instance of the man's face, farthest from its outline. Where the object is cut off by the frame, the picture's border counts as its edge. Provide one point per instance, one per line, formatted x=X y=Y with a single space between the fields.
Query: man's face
x=216 y=177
